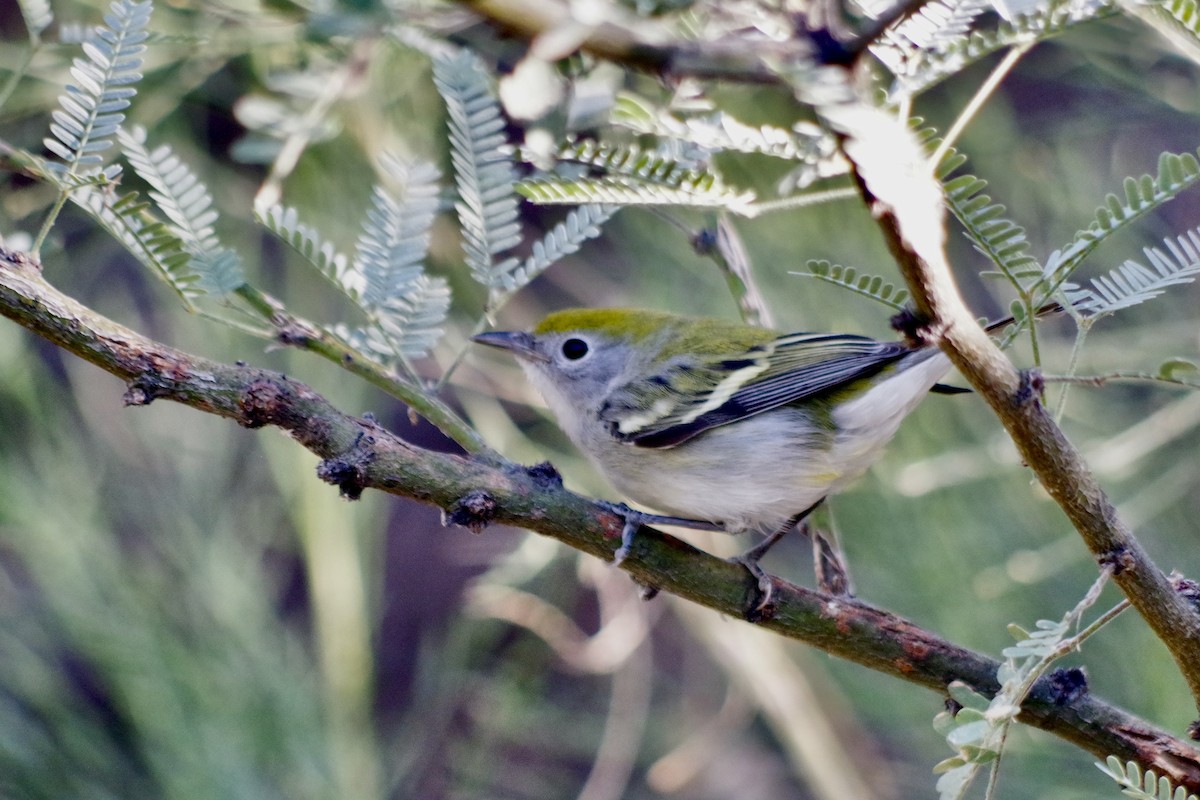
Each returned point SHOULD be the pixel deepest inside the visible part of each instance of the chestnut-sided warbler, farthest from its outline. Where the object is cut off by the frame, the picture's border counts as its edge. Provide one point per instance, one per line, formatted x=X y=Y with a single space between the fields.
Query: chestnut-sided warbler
x=728 y=426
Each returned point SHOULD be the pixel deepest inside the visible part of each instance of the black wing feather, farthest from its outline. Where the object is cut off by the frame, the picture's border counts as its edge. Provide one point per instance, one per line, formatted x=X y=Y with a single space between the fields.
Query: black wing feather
x=798 y=366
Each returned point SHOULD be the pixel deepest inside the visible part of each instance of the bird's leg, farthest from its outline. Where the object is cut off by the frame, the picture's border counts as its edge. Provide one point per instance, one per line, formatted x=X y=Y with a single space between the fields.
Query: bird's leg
x=833 y=576
x=634 y=519
x=751 y=557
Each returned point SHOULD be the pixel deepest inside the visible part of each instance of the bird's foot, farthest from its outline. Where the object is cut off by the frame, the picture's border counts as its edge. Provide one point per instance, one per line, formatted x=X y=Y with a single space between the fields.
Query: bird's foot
x=765 y=607
x=635 y=519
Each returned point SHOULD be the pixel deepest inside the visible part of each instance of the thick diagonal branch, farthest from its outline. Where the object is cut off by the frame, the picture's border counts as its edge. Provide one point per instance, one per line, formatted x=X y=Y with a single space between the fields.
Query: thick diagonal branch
x=916 y=242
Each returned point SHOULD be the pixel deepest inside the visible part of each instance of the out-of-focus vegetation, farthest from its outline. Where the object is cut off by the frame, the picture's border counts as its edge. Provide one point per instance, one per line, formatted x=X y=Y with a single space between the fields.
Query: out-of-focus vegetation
x=187 y=612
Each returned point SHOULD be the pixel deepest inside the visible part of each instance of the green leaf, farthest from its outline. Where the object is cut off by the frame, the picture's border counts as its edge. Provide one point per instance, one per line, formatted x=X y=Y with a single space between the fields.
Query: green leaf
x=406 y=306
x=1017 y=309
x=1132 y=284
x=187 y=203
x=565 y=238
x=969 y=733
x=483 y=169
x=1144 y=786
x=405 y=326
x=943 y=723
x=284 y=222
x=947 y=764
x=626 y=175
x=1001 y=240
x=873 y=287
x=953 y=782
x=621 y=190
x=37 y=14
x=717 y=131
x=1176 y=172
x=967 y=697
x=935 y=26
x=1176 y=368
x=91 y=107
x=391 y=250
x=150 y=241
x=919 y=68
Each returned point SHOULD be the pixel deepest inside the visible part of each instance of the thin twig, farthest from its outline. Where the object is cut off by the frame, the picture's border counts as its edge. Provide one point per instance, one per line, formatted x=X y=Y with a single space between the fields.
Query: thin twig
x=802 y=200
x=294 y=331
x=998 y=74
x=1120 y=375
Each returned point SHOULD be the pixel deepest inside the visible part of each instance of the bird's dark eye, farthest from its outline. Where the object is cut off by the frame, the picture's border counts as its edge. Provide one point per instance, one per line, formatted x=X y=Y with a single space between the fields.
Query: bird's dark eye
x=574 y=349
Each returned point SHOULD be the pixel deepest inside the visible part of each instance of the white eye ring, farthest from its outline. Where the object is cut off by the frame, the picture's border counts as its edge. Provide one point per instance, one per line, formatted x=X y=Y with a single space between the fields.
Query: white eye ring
x=575 y=348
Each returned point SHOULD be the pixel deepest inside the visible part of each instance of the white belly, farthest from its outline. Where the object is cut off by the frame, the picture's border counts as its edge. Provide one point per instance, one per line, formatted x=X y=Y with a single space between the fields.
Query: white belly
x=746 y=475
x=749 y=475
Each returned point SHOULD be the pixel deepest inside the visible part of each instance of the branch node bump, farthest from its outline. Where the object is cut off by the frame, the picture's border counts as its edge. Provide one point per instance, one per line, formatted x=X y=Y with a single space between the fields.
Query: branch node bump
x=545 y=475
x=292 y=334
x=1032 y=388
x=137 y=395
x=761 y=609
x=17 y=258
x=260 y=403
x=1118 y=560
x=1068 y=684
x=1186 y=588
x=474 y=511
x=916 y=328
x=646 y=591
x=349 y=472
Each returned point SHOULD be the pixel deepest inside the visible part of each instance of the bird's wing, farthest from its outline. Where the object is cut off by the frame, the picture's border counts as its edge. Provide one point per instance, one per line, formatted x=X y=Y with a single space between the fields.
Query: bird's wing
x=662 y=412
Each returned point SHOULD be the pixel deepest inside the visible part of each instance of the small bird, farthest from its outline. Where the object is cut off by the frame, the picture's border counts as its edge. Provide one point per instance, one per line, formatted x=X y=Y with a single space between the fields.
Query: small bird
x=728 y=426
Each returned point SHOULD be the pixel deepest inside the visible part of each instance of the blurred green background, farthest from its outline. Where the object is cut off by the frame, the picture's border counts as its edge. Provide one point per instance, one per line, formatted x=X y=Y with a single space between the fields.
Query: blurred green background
x=187 y=612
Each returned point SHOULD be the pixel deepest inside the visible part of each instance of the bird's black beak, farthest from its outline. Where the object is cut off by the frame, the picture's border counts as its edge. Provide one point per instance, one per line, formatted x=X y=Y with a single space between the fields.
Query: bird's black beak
x=519 y=343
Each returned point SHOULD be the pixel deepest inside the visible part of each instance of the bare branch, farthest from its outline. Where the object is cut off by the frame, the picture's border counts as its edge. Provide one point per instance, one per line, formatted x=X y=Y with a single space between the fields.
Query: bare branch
x=914 y=232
